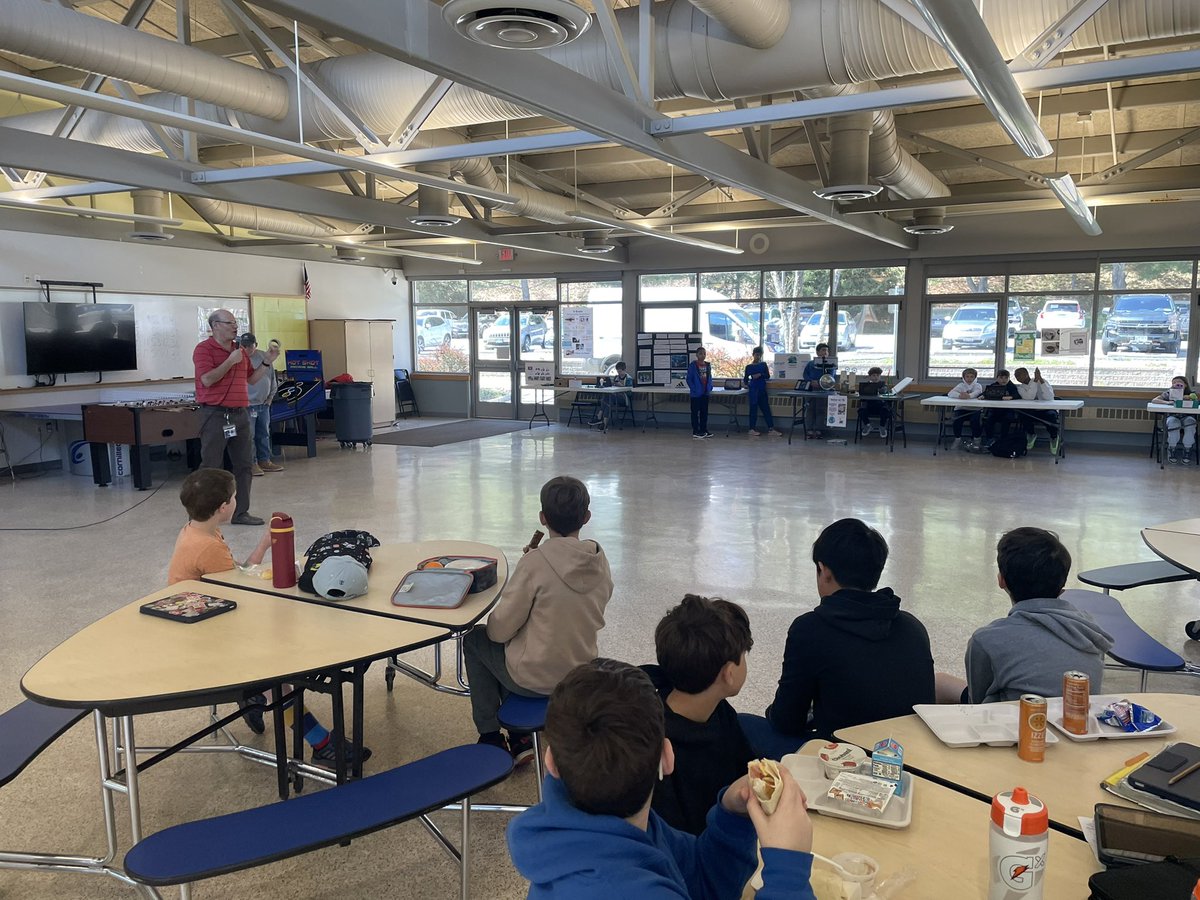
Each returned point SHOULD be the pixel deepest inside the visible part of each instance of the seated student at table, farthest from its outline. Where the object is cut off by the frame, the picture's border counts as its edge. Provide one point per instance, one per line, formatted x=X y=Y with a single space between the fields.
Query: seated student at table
x=620 y=379
x=1000 y=419
x=209 y=496
x=855 y=658
x=1042 y=635
x=967 y=389
x=594 y=835
x=1176 y=425
x=869 y=408
x=816 y=406
x=701 y=646
x=547 y=619
x=1037 y=388
x=756 y=376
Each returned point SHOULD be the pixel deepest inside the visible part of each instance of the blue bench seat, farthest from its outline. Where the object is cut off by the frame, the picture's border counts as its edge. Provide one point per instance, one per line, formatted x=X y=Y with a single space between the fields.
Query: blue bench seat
x=26 y=730
x=1134 y=575
x=193 y=851
x=1132 y=647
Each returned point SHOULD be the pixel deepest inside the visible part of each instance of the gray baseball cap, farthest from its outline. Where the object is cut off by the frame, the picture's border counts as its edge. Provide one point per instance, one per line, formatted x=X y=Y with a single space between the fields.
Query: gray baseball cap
x=340 y=578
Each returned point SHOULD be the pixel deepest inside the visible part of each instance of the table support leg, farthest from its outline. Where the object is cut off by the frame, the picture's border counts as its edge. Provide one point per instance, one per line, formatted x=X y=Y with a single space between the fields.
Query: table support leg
x=280 y=731
x=101 y=472
x=360 y=672
x=132 y=788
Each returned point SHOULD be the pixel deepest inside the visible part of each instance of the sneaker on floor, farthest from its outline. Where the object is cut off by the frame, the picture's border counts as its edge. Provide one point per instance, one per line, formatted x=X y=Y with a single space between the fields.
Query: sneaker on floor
x=754 y=433
x=521 y=747
x=1172 y=456
x=246 y=519
x=252 y=713
x=697 y=437
x=778 y=432
x=1054 y=445
x=495 y=738
x=957 y=444
x=883 y=432
x=1030 y=440
x=256 y=469
x=1185 y=457
x=326 y=755
x=708 y=434
x=269 y=466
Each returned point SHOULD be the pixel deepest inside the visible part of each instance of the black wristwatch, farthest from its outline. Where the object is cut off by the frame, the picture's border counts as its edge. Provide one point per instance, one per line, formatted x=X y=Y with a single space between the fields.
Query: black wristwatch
x=265 y=364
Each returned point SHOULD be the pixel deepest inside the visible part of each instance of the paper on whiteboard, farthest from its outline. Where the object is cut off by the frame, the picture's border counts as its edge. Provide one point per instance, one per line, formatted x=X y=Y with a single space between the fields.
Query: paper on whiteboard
x=661 y=376
x=644 y=358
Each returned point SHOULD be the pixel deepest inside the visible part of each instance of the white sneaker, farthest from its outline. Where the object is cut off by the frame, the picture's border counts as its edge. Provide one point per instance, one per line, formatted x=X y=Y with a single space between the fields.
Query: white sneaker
x=867 y=429
x=697 y=437
x=707 y=434
x=958 y=442
x=883 y=432
x=753 y=433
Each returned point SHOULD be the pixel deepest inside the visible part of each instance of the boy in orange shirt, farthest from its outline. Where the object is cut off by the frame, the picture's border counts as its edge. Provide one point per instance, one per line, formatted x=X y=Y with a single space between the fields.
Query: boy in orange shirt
x=209 y=497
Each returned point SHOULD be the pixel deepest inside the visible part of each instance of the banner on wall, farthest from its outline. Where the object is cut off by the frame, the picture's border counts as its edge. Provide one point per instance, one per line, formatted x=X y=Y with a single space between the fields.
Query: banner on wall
x=577 y=338
x=1025 y=346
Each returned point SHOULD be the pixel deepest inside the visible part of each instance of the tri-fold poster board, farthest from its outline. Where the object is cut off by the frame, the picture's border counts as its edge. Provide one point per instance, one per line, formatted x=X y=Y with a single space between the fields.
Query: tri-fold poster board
x=663 y=356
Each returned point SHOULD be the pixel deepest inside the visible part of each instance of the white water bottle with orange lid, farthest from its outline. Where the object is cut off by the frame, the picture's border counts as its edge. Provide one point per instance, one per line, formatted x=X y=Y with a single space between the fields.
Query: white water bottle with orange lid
x=1018 y=843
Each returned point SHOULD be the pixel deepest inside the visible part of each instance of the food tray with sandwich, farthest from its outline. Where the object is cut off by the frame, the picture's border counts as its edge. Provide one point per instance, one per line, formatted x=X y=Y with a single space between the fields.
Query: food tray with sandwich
x=837 y=783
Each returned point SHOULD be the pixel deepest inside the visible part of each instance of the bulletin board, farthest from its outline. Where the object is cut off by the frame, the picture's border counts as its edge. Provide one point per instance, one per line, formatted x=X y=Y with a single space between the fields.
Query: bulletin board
x=663 y=356
x=168 y=329
x=281 y=318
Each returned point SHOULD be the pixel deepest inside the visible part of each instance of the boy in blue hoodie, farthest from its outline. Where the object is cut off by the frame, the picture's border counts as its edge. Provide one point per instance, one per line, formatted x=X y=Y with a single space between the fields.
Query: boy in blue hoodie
x=1042 y=636
x=756 y=377
x=700 y=385
x=594 y=836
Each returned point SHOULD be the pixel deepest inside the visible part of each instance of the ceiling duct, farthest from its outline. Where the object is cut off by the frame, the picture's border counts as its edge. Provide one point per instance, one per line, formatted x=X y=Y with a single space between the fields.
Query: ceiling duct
x=433 y=209
x=529 y=25
x=757 y=23
x=148 y=203
x=849 y=140
x=929 y=221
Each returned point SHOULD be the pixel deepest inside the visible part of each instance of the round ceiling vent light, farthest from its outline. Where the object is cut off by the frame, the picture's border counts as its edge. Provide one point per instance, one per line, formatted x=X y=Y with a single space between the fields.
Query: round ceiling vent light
x=596 y=244
x=434 y=220
x=524 y=25
x=151 y=234
x=927 y=228
x=848 y=191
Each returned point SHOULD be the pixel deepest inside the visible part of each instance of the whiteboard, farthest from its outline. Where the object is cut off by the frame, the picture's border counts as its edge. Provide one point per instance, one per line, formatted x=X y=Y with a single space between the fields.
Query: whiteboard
x=168 y=329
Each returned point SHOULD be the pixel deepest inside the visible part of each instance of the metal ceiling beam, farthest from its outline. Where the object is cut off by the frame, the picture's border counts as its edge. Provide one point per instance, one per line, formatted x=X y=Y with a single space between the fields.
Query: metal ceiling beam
x=618 y=55
x=961 y=30
x=549 y=182
x=818 y=151
x=669 y=209
x=748 y=132
x=1178 y=62
x=906 y=11
x=191 y=124
x=415 y=34
x=1112 y=173
x=1046 y=45
x=412 y=124
x=106 y=164
x=971 y=156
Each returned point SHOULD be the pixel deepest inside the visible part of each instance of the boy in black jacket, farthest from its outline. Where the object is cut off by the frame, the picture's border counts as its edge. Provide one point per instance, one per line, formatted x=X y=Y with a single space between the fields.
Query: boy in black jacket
x=855 y=658
x=701 y=647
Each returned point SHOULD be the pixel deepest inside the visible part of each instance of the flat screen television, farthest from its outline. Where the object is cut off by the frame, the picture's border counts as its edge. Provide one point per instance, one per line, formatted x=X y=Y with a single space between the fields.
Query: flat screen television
x=79 y=337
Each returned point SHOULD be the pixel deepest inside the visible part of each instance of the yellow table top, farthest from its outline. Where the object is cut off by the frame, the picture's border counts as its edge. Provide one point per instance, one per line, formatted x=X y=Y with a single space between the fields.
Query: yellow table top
x=390 y=563
x=947 y=846
x=129 y=662
x=1068 y=781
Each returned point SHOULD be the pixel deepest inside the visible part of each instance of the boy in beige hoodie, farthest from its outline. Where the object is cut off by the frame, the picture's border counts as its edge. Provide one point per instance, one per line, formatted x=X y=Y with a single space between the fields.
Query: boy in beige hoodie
x=547 y=619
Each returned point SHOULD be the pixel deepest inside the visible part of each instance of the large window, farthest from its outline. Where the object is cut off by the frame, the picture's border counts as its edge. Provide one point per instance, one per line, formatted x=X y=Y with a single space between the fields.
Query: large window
x=441 y=335
x=590 y=341
x=1115 y=325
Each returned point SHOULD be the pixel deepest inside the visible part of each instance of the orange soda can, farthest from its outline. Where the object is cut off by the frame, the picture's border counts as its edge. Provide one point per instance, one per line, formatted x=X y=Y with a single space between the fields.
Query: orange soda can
x=1031 y=728
x=1076 y=695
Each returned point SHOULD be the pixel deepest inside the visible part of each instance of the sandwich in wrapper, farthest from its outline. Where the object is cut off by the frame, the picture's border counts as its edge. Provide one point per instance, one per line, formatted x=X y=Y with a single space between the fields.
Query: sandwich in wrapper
x=766 y=783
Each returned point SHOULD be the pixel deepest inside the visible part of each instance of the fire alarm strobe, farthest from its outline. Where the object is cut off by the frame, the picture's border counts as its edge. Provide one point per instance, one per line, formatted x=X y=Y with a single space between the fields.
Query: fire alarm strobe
x=481 y=568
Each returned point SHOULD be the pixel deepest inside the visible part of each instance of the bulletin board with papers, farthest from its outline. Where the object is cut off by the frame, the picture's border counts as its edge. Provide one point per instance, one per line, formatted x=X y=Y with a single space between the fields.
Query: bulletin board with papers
x=663 y=356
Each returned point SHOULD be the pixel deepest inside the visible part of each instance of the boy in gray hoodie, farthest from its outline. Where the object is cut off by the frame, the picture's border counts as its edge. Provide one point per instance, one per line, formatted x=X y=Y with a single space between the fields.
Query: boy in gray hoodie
x=547 y=619
x=1042 y=636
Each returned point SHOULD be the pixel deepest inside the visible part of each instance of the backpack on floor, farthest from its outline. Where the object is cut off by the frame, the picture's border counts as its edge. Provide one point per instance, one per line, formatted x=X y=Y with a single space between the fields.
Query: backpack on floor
x=1010 y=447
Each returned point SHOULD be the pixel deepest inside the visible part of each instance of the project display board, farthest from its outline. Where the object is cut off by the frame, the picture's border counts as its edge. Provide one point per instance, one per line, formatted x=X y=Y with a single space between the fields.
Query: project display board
x=663 y=356
x=167 y=328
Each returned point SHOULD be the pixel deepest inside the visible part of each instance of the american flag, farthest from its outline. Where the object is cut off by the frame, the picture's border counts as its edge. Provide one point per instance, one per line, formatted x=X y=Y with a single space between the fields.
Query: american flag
x=307 y=285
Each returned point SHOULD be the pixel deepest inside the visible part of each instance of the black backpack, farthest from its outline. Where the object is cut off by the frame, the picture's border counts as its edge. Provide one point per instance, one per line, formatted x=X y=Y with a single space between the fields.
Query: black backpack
x=1010 y=447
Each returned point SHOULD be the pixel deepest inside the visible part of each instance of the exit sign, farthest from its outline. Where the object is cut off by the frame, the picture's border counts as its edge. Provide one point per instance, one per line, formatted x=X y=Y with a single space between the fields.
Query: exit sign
x=507 y=254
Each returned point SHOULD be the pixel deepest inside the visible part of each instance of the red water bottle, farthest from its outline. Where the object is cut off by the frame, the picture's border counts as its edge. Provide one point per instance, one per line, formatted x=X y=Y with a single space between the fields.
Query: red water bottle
x=283 y=550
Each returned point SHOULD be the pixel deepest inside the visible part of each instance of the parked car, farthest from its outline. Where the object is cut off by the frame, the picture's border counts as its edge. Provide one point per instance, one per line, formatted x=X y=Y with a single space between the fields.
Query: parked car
x=459 y=326
x=1142 y=322
x=533 y=331
x=432 y=330
x=816 y=331
x=971 y=326
x=1016 y=317
x=937 y=323
x=1060 y=314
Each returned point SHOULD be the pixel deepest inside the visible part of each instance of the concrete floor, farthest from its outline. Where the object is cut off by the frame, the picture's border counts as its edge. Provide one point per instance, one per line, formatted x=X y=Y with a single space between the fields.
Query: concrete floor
x=733 y=517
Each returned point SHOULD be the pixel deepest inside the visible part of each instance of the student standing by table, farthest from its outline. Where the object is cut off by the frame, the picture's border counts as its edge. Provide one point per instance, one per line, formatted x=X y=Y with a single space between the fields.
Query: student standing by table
x=700 y=385
x=757 y=373
x=816 y=406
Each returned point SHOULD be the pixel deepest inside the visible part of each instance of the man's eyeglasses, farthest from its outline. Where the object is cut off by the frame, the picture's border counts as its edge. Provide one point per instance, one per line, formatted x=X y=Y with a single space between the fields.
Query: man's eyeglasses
x=223 y=322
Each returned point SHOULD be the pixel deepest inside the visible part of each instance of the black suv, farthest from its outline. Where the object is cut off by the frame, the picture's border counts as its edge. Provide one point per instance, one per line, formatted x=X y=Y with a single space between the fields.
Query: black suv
x=1142 y=322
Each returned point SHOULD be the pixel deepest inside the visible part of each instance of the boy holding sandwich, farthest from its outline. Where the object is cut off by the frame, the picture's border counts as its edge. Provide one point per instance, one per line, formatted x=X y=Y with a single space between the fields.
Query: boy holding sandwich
x=594 y=835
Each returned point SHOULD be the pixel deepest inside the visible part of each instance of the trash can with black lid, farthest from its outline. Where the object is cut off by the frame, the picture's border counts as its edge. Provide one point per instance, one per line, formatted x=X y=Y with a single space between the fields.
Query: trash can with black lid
x=352 y=412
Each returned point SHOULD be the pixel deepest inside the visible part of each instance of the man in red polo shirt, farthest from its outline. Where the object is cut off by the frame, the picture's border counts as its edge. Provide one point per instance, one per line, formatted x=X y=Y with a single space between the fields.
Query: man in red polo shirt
x=222 y=373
